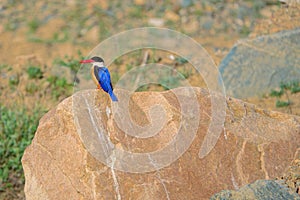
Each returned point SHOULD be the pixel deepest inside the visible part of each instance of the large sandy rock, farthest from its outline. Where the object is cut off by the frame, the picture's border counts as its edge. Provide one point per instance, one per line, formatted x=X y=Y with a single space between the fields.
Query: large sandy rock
x=81 y=151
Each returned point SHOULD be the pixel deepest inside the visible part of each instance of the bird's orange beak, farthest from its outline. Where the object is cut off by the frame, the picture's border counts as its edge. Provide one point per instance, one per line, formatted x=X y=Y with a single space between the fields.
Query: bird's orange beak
x=86 y=61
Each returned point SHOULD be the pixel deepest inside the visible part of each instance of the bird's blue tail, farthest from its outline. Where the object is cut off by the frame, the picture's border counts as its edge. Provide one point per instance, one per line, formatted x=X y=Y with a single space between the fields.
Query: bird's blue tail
x=113 y=96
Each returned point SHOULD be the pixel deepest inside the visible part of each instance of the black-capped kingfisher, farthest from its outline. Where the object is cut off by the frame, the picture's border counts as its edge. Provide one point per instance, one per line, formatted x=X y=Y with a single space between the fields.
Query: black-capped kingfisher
x=101 y=76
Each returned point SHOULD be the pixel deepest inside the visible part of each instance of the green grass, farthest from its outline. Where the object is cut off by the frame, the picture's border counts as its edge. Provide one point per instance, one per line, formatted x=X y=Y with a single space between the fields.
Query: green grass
x=151 y=87
x=276 y=93
x=103 y=30
x=13 y=80
x=245 y=30
x=34 y=72
x=293 y=87
x=142 y=88
x=280 y=104
x=136 y=12
x=185 y=72
x=115 y=76
x=118 y=61
x=59 y=87
x=33 y=25
x=17 y=128
x=11 y=26
x=31 y=88
x=70 y=62
x=198 y=13
x=129 y=67
x=3 y=66
x=170 y=82
x=282 y=94
x=181 y=60
x=57 y=37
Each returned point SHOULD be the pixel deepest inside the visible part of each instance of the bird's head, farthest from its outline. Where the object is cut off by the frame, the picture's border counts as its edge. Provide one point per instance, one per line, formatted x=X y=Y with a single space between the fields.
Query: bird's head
x=95 y=61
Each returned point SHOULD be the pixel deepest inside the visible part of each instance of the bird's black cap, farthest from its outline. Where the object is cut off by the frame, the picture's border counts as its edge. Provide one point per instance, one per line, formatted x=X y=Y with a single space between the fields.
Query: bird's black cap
x=97 y=59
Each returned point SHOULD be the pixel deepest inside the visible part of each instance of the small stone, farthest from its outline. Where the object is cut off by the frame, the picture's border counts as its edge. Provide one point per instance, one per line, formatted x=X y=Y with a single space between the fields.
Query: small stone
x=157 y=22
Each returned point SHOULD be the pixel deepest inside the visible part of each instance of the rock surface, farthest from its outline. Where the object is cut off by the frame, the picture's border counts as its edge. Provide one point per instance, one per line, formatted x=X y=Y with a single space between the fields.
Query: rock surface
x=255 y=144
x=292 y=177
x=259 y=190
x=254 y=67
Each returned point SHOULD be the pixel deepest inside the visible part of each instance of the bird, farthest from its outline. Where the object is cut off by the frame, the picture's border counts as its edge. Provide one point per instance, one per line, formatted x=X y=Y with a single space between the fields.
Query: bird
x=101 y=75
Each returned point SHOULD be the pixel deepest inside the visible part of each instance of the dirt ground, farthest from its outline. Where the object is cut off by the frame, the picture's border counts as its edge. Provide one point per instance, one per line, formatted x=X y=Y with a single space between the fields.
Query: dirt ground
x=37 y=34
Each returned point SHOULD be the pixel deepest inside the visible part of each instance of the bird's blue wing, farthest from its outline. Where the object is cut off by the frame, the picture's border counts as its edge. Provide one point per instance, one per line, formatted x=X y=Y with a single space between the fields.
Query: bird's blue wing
x=105 y=81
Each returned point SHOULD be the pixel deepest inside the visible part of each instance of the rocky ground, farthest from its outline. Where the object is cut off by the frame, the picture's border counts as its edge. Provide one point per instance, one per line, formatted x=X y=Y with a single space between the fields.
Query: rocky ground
x=40 y=41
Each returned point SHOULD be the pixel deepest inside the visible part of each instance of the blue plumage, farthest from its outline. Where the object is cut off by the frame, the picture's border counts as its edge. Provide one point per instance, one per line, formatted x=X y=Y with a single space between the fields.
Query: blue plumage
x=103 y=77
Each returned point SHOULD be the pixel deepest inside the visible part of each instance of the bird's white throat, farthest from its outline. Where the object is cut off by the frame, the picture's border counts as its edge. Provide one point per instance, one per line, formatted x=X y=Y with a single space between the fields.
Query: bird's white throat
x=99 y=64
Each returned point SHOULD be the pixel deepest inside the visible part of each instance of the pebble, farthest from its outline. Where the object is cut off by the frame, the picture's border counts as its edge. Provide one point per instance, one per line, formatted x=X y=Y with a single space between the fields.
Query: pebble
x=157 y=22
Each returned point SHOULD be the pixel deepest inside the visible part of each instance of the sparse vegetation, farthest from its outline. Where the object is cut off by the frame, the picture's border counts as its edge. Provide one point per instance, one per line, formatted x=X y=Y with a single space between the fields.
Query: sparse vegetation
x=33 y=25
x=56 y=38
x=3 y=66
x=34 y=72
x=13 y=80
x=282 y=94
x=59 y=87
x=70 y=62
x=170 y=82
x=136 y=12
x=17 y=128
x=114 y=76
x=186 y=72
x=31 y=88
x=181 y=60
